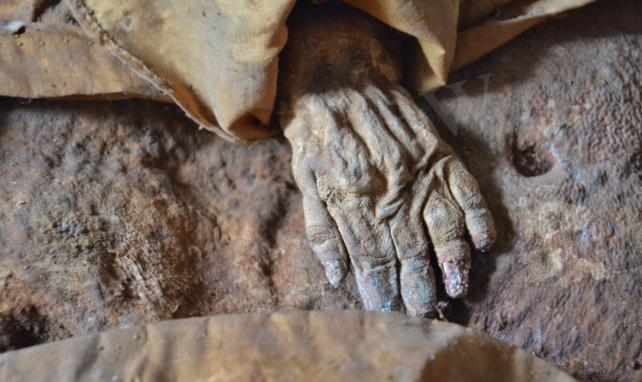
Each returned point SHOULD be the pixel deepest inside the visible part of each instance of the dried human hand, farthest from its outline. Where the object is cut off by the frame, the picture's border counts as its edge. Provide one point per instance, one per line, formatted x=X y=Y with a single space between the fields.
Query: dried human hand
x=373 y=170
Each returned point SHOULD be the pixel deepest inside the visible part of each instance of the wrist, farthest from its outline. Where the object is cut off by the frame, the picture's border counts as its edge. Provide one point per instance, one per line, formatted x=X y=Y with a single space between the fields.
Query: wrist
x=332 y=47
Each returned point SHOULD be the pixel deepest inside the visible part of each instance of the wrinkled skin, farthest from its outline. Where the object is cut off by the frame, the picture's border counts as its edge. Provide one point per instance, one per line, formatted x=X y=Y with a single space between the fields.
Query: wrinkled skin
x=378 y=183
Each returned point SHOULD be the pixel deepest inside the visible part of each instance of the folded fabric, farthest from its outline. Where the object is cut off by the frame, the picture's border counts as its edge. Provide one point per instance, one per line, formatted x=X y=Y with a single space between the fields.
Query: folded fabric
x=294 y=346
x=218 y=59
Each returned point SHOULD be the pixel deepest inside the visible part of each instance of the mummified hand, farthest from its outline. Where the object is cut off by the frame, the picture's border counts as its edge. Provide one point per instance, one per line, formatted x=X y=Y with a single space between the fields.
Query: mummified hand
x=371 y=167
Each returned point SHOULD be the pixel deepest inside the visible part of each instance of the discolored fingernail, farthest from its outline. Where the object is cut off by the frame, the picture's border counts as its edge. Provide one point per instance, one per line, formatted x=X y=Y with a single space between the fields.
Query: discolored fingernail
x=455 y=279
x=484 y=241
x=335 y=270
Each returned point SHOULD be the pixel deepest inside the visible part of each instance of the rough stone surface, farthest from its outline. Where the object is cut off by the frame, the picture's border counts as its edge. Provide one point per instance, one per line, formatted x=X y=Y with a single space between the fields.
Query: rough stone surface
x=116 y=214
x=557 y=152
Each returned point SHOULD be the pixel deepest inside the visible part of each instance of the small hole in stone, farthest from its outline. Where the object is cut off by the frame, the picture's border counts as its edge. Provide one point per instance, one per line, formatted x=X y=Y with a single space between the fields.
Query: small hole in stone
x=22 y=329
x=532 y=159
x=637 y=365
x=20 y=31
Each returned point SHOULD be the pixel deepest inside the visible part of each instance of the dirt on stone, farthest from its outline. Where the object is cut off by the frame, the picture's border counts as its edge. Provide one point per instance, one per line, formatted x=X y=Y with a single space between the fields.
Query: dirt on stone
x=114 y=214
x=555 y=146
x=118 y=214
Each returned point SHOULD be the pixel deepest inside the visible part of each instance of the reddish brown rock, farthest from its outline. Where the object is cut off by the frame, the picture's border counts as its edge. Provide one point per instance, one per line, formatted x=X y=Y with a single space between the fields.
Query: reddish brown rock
x=556 y=151
x=117 y=214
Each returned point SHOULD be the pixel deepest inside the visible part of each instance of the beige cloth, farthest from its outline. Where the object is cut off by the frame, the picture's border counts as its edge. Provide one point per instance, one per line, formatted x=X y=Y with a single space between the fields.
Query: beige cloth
x=295 y=346
x=218 y=59
x=33 y=66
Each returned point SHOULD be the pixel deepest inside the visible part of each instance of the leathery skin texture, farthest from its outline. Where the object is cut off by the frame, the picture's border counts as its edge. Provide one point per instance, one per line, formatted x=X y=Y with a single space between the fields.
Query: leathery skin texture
x=378 y=183
x=91 y=239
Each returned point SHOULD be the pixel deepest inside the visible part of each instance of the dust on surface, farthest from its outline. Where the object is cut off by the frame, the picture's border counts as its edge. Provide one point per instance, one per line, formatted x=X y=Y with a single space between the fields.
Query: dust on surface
x=117 y=214
x=556 y=150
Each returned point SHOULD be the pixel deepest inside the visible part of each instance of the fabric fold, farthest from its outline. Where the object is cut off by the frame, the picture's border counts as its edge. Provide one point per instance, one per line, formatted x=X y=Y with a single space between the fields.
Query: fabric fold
x=218 y=59
x=518 y=17
x=59 y=61
x=432 y=23
x=473 y=10
x=293 y=346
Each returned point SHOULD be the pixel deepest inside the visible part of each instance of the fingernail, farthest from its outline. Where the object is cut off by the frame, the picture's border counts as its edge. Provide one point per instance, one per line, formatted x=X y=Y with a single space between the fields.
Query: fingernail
x=483 y=242
x=335 y=270
x=456 y=279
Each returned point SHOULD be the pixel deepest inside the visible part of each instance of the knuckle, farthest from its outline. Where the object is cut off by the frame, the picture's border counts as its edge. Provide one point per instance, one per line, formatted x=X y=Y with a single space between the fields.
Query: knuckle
x=454 y=251
x=355 y=179
x=480 y=219
x=451 y=233
x=433 y=218
x=318 y=235
x=441 y=212
x=473 y=202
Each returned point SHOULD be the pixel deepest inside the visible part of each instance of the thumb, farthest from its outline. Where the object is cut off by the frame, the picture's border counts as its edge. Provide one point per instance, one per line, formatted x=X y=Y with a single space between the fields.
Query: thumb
x=325 y=239
x=321 y=230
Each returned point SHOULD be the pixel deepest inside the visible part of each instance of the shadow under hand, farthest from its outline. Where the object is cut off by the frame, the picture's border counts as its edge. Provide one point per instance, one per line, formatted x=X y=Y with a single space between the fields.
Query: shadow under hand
x=538 y=52
x=483 y=264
